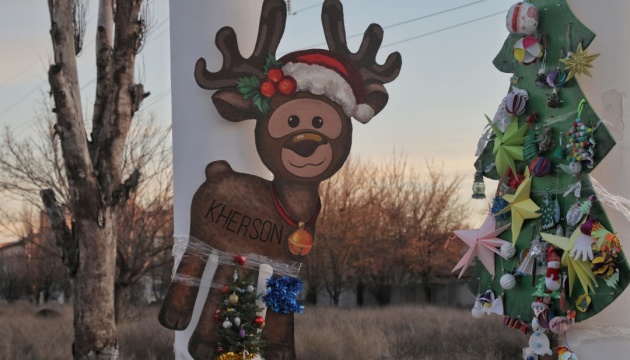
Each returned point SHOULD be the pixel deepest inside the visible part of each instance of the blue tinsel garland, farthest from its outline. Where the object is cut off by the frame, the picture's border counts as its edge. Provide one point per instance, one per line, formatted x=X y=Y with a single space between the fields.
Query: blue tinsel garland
x=282 y=293
x=498 y=204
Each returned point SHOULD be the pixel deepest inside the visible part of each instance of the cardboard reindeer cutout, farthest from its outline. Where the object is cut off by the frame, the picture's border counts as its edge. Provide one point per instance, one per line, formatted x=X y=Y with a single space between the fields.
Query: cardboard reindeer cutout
x=302 y=104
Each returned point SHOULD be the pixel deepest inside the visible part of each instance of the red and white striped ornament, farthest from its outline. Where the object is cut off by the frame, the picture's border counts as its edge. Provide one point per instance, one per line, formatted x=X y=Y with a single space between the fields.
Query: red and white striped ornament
x=522 y=18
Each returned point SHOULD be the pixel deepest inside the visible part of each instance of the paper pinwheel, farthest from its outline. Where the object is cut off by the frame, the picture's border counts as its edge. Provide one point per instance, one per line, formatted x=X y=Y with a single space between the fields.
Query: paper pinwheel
x=576 y=267
x=508 y=145
x=483 y=242
x=521 y=206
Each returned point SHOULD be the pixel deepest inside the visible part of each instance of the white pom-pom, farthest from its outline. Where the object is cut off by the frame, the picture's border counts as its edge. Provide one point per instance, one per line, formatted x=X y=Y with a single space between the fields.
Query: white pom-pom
x=507 y=250
x=364 y=113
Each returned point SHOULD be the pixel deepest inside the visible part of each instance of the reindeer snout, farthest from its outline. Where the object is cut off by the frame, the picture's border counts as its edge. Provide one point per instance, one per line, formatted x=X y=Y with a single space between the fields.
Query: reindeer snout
x=305 y=144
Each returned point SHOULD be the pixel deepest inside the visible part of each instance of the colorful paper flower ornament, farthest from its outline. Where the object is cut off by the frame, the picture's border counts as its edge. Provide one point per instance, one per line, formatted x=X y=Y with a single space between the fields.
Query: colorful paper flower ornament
x=483 y=243
x=521 y=206
x=576 y=266
x=508 y=146
x=527 y=50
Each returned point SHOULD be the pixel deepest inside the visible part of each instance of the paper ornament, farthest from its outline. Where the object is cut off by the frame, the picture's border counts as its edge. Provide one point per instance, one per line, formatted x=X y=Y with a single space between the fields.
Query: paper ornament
x=539 y=343
x=483 y=244
x=604 y=239
x=507 y=282
x=522 y=18
x=540 y=166
x=508 y=146
x=576 y=268
x=579 y=62
x=516 y=101
x=521 y=206
x=527 y=50
x=556 y=78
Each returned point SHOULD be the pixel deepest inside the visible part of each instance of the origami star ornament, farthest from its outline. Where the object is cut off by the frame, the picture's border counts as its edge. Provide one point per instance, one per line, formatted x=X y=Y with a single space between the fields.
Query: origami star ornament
x=482 y=242
x=579 y=268
x=508 y=145
x=579 y=62
x=521 y=206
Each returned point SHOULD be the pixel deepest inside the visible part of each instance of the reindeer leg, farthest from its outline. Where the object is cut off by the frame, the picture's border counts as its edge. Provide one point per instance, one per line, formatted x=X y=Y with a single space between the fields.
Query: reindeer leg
x=203 y=341
x=179 y=301
x=279 y=334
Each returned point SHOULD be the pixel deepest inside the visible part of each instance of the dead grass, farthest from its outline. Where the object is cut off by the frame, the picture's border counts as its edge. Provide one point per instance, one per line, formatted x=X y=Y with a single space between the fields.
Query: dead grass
x=325 y=333
x=408 y=332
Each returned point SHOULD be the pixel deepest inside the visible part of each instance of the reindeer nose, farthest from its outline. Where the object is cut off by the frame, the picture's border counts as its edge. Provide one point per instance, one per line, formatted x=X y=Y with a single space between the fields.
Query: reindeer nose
x=305 y=144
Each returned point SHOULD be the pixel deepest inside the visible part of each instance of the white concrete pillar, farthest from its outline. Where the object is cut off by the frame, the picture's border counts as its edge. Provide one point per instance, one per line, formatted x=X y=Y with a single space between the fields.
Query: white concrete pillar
x=607 y=335
x=200 y=135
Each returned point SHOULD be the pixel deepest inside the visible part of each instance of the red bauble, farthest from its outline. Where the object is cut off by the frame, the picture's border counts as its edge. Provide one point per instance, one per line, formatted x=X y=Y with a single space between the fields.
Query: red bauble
x=240 y=259
x=259 y=320
x=287 y=86
x=275 y=75
x=268 y=88
x=225 y=289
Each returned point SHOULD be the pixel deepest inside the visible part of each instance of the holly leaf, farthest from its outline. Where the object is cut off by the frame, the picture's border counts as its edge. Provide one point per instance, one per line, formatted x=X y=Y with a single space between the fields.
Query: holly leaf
x=271 y=63
x=247 y=85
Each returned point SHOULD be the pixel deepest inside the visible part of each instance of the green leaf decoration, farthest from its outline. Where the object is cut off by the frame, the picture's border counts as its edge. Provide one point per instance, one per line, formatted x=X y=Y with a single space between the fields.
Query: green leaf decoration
x=271 y=63
x=248 y=85
x=612 y=280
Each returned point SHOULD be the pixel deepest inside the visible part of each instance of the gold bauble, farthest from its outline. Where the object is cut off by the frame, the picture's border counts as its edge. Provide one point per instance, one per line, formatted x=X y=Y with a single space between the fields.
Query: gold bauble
x=233 y=299
x=300 y=242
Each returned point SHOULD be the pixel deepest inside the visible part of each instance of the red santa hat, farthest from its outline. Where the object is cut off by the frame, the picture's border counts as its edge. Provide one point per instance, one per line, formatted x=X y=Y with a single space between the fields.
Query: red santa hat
x=552 y=255
x=321 y=72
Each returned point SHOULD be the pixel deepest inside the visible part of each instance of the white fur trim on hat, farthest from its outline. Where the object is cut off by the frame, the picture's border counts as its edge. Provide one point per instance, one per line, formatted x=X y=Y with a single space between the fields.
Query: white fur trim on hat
x=319 y=80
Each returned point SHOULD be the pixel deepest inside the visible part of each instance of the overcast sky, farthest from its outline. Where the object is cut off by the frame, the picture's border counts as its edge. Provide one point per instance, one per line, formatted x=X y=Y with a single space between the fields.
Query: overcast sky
x=437 y=105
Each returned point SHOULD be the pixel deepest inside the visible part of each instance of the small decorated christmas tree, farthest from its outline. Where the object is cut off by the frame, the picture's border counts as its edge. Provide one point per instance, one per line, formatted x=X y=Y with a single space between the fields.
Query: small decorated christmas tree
x=239 y=327
x=559 y=260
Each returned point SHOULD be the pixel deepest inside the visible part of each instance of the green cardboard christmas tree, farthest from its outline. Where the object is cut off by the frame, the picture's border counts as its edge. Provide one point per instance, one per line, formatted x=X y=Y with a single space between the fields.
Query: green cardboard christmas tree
x=561 y=261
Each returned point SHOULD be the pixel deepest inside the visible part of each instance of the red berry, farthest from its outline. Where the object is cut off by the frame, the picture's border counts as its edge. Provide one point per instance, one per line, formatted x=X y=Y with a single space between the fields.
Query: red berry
x=240 y=259
x=287 y=86
x=275 y=75
x=268 y=88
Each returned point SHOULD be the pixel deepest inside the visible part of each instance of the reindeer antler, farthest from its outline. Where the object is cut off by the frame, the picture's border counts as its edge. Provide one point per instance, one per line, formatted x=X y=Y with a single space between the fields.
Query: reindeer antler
x=272 y=24
x=365 y=58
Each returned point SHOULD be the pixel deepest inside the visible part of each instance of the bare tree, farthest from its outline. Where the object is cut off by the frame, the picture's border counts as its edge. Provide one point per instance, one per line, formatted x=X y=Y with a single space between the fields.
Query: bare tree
x=383 y=226
x=97 y=185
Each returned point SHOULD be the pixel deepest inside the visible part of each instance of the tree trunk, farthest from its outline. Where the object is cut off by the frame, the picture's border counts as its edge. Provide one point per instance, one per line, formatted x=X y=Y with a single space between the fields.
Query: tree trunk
x=428 y=291
x=94 y=323
x=311 y=294
x=121 y=293
x=360 y=295
x=94 y=167
x=383 y=295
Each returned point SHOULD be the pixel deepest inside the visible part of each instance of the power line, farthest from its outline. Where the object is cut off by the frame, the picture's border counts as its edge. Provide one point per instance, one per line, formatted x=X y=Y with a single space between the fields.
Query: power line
x=409 y=21
x=444 y=29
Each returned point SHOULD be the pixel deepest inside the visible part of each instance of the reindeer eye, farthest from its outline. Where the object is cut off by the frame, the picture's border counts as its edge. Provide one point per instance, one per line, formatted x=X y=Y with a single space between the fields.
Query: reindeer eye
x=318 y=122
x=294 y=121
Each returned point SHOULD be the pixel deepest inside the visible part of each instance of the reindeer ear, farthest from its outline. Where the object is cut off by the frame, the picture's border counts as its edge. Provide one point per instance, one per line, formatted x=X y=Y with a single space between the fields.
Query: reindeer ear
x=376 y=96
x=232 y=106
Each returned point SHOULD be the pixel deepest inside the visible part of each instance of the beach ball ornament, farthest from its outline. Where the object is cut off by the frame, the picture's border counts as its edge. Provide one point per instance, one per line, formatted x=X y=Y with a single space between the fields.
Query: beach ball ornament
x=522 y=18
x=527 y=50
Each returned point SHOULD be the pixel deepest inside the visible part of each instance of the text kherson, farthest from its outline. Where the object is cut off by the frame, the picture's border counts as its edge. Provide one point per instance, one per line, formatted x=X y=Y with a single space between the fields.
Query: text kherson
x=243 y=224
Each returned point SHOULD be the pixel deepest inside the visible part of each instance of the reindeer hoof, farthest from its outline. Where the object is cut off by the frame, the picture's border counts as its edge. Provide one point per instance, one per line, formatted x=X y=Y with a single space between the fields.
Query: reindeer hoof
x=173 y=320
x=200 y=349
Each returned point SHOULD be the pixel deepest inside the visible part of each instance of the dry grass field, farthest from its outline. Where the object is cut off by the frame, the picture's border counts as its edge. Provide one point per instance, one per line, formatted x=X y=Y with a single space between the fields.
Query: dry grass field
x=322 y=333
